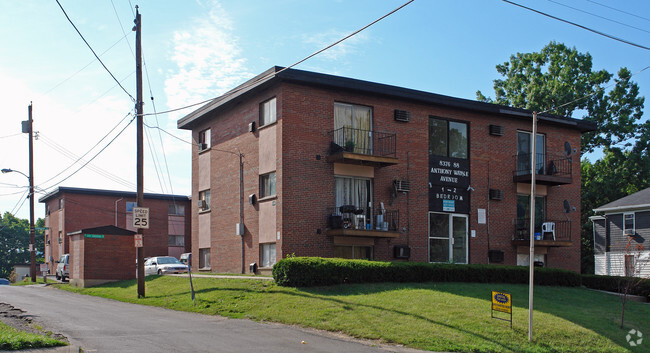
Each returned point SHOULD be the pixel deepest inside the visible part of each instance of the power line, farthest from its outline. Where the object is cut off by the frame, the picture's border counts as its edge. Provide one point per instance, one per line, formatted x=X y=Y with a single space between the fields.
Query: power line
x=621 y=11
x=290 y=66
x=93 y=157
x=93 y=51
x=3 y=137
x=601 y=17
x=578 y=25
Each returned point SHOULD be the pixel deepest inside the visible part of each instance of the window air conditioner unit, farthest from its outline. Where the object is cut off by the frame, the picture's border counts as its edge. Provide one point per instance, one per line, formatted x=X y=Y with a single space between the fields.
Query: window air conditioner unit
x=402 y=115
x=496 y=130
x=401 y=252
x=203 y=146
x=629 y=232
x=201 y=204
x=496 y=194
x=402 y=185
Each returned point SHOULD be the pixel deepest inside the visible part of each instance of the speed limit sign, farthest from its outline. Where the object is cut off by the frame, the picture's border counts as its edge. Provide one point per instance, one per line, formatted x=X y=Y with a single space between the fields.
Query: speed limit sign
x=141 y=217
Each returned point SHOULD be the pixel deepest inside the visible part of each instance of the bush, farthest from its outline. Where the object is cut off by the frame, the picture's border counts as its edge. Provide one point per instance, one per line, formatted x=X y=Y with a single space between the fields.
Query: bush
x=317 y=271
x=617 y=283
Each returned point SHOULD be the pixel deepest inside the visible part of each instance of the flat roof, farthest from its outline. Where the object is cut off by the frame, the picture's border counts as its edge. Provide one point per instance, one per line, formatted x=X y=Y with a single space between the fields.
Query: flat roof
x=278 y=74
x=117 y=193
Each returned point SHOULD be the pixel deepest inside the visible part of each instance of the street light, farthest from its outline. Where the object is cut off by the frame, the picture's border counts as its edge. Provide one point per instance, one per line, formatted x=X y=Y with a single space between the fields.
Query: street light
x=32 y=236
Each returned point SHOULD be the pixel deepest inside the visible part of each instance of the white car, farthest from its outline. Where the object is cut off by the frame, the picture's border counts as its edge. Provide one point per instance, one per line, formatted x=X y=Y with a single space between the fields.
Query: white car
x=63 y=267
x=161 y=265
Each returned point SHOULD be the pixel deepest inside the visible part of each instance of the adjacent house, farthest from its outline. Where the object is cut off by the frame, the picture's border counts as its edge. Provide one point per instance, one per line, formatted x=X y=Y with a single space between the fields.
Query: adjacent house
x=302 y=163
x=68 y=210
x=621 y=236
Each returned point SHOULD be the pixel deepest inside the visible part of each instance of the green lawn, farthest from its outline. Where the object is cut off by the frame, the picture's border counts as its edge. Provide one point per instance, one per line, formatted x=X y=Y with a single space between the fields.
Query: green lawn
x=429 y=316
x=12 y=339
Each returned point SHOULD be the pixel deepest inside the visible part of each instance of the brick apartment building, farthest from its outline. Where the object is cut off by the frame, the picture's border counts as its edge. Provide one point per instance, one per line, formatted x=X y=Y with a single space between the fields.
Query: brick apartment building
x=69 y=210
x=338 y=167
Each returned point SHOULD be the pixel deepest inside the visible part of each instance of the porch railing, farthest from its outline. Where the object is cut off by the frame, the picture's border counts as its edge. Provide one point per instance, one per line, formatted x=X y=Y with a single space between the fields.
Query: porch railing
x=561 y=230
x=367 y=142
x=362 y=218
x=545 y=164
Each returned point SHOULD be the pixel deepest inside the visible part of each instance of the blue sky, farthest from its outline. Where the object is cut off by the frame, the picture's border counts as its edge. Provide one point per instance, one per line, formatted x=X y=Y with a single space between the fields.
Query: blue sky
x=195 y=50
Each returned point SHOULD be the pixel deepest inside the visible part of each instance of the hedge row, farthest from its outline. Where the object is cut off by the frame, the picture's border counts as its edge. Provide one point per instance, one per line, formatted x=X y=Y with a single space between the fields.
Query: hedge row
x=616 y=284
x=317 y=271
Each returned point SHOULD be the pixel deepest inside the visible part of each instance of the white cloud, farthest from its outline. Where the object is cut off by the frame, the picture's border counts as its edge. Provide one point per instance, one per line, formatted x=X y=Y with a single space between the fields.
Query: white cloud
x=208 y=60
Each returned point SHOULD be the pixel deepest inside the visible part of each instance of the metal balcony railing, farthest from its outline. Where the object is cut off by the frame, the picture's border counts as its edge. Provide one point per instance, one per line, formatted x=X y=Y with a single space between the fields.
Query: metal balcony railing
x=360 y=218
x=557 y=165
x=561 y=230
x=367 y=142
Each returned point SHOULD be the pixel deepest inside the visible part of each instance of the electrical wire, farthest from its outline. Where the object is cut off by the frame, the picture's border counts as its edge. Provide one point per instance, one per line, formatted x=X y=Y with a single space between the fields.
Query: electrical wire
x=93 y=51
x=621 y=11
x=93 y=157
x=578 y=25
x=84 y=155
x=601 y=17
x=249 y=84
x=3 y=137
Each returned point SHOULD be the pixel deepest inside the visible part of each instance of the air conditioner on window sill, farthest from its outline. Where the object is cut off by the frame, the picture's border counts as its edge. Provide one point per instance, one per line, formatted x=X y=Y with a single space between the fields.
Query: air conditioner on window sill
x=203 y=146
x=402 y=185
x=201 y=204
x=629 y=232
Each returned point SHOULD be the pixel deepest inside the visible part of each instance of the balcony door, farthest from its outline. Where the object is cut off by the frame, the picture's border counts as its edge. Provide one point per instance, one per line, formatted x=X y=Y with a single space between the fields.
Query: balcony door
x=524 y=153
x=357 y=192
x=353 y=127
x=447 y=238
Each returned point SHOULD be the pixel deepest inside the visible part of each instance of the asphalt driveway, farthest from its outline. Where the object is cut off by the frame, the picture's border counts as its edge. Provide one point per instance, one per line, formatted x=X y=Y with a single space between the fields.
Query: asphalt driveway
x=103 y=325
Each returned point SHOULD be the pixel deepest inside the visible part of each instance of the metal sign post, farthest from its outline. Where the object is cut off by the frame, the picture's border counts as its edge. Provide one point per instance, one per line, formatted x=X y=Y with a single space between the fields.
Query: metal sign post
x=502 y=302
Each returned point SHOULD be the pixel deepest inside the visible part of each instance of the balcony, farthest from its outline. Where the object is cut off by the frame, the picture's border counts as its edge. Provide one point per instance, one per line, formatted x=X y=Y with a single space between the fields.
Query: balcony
x=551 y=169
x=363 y=147
x=362 y=222
x=559 y=236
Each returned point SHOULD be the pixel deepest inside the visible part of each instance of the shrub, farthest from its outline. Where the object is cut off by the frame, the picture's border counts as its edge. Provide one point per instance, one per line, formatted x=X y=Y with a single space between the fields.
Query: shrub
x=616 y=284
x=317 y=271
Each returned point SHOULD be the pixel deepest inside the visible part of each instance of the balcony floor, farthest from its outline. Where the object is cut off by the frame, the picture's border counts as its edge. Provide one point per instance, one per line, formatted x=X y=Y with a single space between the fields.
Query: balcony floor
x=362 y=159
x=549 y=243
x=362 y=233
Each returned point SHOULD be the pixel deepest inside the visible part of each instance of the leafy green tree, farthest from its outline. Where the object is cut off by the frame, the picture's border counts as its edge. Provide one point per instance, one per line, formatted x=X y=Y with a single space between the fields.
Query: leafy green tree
x=560 y=80
x=14 y=242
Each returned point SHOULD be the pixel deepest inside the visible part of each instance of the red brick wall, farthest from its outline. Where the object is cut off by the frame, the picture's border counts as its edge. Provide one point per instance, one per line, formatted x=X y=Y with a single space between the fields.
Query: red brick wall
x=110 y=258
x=305 y=183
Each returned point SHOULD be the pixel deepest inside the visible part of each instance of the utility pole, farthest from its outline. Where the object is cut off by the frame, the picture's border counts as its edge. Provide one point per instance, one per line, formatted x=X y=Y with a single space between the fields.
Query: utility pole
x=32 y=236
x=139 y=142
x=531 y=256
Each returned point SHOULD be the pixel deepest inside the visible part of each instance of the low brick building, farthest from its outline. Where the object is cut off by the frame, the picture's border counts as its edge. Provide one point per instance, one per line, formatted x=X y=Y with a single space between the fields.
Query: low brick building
x=101 y=254
x=307 y=164
x=70 y=209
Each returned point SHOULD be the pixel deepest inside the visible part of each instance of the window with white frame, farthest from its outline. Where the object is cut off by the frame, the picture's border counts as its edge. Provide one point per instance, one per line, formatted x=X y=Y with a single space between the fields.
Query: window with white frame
x=268 y=112
x=267 y=255
x=204 y=259
x=628 y=224
x=204 y=200
x=204 y=139
x=267 y=185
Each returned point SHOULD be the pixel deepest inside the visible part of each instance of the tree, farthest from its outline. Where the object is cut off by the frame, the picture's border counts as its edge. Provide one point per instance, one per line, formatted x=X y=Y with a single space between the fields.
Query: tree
x=561 y=81
x=14 y=242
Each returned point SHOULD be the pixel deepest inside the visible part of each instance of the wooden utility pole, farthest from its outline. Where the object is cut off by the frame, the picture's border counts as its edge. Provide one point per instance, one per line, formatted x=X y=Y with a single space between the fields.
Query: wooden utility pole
x=32 y=235
x=139 y=142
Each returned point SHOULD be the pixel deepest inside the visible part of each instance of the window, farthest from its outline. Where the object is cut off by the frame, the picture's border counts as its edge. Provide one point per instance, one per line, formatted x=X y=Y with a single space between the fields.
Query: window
x=268 y=112
x=176 y=210
x=447 y=138
x=352 y=127
x=267 y=255
x=353 y=252
x=60 y=203
x=130 y=205
x=267 y=185
x=628 y=224
x=204 y=139
x=204 y=200
x=175 y=240
x=204 y=259
x=524 y=151
x=523 y=213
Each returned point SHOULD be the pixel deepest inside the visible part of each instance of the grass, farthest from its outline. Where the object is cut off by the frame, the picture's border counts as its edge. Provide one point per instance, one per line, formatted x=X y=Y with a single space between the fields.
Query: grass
x=13 y=339
x=28 y=281
x=429 y=316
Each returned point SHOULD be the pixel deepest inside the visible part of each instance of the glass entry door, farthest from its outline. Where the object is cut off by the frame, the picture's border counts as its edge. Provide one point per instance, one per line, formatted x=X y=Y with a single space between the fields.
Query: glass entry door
x=447 y=238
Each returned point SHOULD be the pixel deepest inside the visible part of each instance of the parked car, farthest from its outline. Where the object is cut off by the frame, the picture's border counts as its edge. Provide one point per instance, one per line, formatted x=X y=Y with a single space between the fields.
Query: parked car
x=186 y=258
x=4 y=281
x=162 y=265
x=63 y=267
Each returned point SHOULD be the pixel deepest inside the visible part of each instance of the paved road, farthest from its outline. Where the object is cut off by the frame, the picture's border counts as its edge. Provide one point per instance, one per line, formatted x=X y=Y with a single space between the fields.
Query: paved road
x=103 y=325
